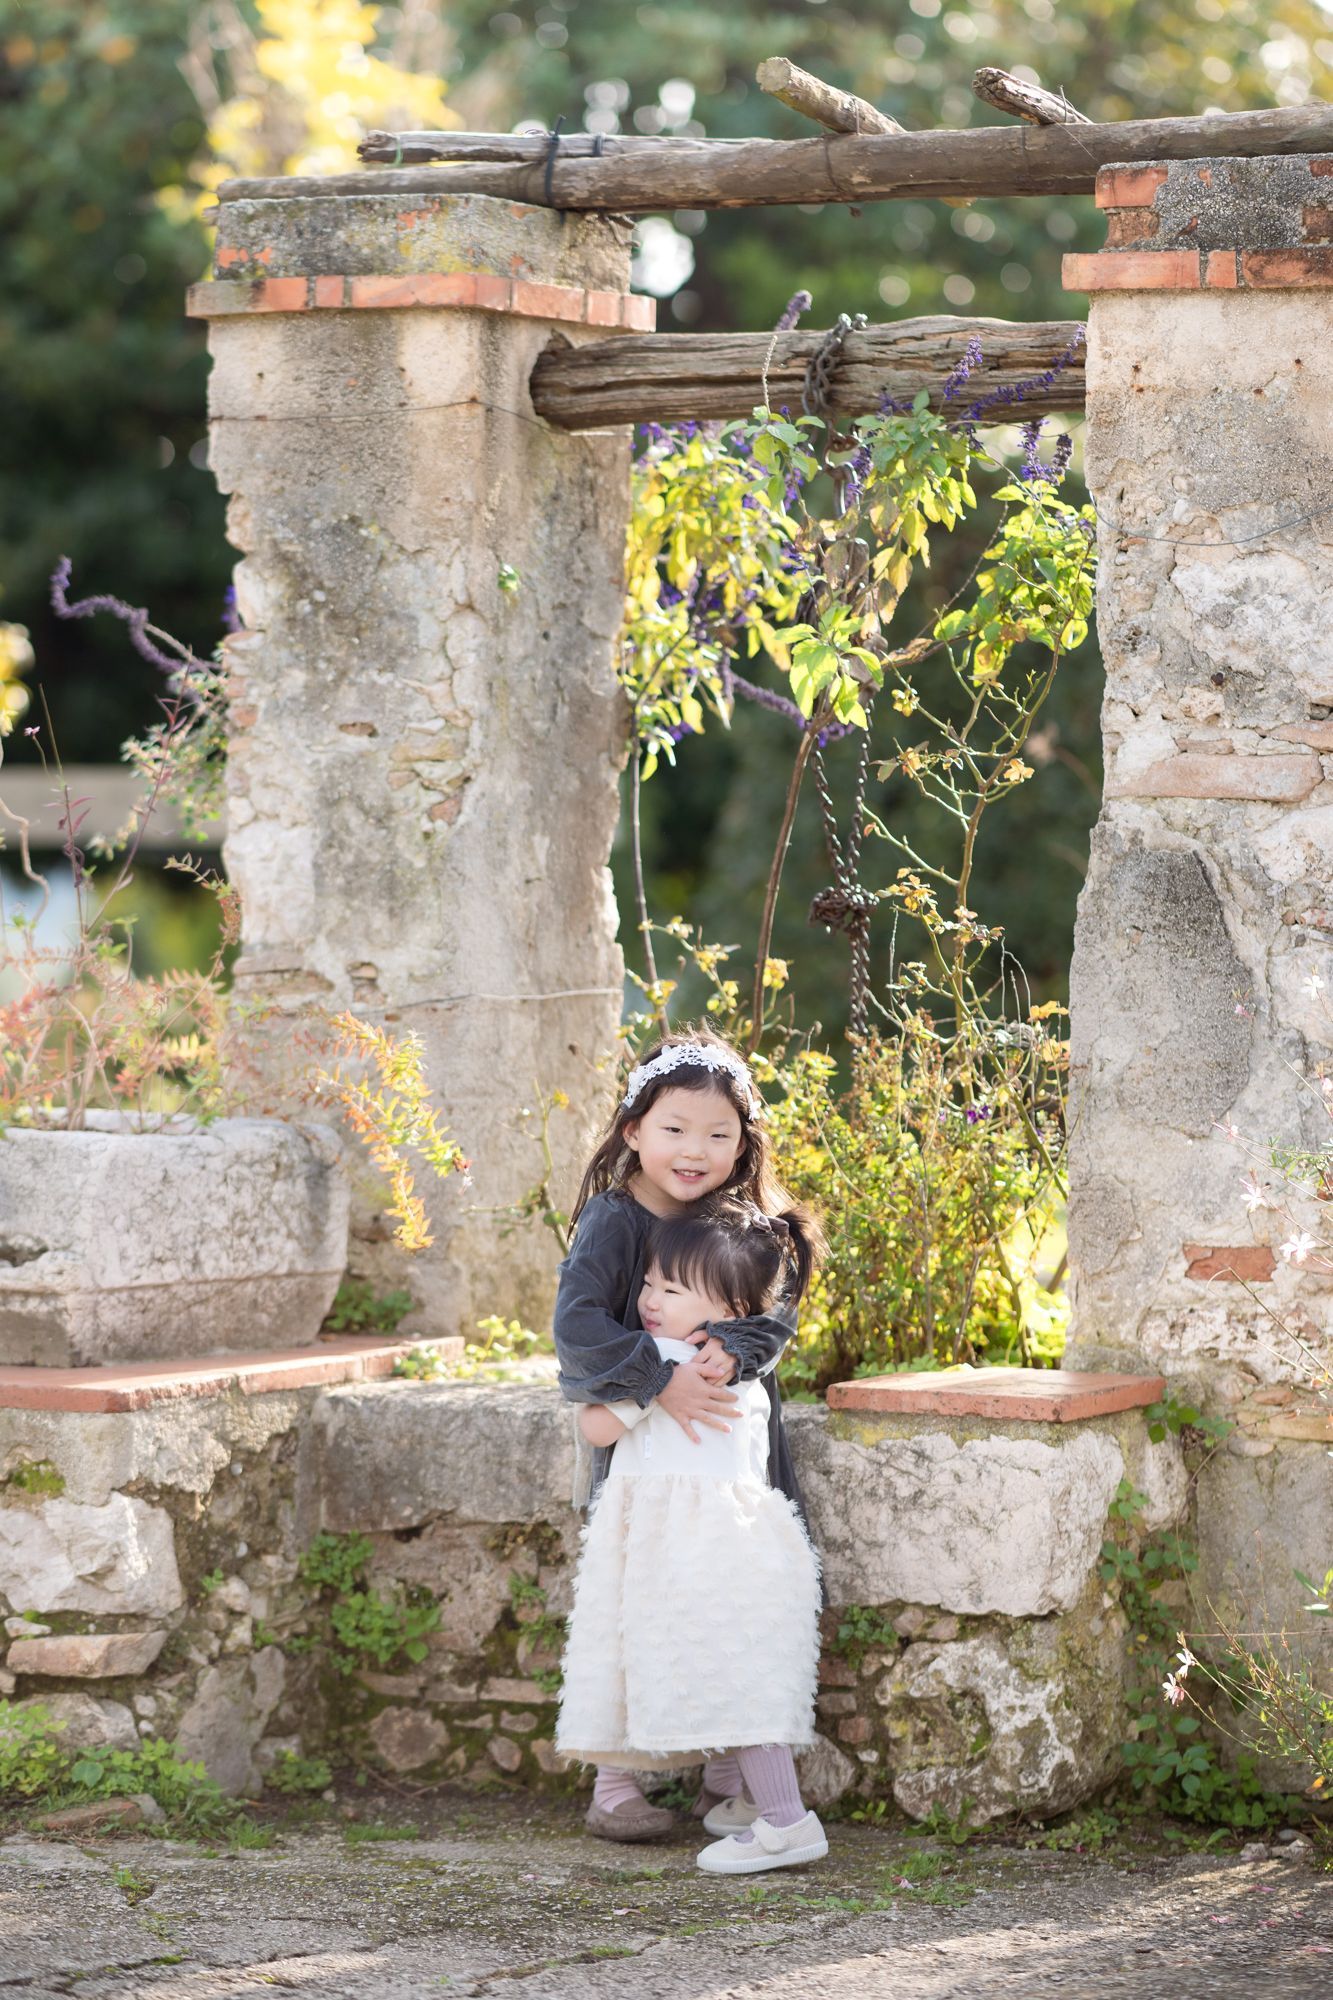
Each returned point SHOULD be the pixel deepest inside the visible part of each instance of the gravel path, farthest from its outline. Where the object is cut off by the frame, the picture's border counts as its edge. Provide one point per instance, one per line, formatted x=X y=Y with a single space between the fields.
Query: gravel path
x=507 y=1898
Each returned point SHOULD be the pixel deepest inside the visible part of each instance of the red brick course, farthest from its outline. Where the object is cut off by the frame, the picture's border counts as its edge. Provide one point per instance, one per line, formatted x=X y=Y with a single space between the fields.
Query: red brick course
x=1018 y=1395
x=1250 y=1263
x=476 y=291
x=1129 y=187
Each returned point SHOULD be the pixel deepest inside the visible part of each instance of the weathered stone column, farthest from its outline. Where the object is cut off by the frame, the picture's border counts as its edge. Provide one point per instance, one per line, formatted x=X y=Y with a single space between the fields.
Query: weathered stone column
x=1207 y=908
x=426 y=727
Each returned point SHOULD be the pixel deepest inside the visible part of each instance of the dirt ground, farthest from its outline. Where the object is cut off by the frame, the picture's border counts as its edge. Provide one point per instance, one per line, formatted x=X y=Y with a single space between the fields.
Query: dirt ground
x=508 y=1897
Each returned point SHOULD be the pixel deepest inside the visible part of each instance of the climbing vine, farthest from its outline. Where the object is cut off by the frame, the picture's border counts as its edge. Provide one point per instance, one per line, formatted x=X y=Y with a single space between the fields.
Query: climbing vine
x=941 y=1167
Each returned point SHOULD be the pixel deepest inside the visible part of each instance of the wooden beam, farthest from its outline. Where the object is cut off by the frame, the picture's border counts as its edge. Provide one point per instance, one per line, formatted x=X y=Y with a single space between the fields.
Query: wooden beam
x=835 y=110
x=1024 y=100
x=669 y=377
x=988 y=161
x=413 y=148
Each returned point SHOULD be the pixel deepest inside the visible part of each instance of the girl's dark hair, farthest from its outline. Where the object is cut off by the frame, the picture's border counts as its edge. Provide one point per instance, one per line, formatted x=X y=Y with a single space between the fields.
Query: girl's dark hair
x=734 y=1252
x=752 y=1176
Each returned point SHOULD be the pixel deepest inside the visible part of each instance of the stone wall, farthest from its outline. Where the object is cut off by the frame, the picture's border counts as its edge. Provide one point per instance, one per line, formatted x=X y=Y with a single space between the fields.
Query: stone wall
x=142 y=1553
x=149 y=1569
x=1204 y=926
x=969 y=1549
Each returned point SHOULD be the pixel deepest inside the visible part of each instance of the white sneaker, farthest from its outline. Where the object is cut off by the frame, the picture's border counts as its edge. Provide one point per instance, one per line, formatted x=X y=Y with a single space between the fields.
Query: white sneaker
x=731 y=1816
x=772 y=1847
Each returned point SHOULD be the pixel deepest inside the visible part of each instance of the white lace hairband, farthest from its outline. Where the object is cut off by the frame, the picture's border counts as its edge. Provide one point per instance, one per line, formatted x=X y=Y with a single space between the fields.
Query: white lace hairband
x=701 y=1055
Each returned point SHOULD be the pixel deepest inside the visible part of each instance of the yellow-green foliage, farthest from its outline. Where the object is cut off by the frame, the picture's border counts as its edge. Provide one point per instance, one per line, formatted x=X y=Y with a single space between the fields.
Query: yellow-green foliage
x=392 y=1118
x=938 y=1206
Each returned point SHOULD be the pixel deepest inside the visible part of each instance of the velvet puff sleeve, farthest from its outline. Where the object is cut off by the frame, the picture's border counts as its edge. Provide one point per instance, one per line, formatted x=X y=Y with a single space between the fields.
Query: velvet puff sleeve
x=602 y=1361
x=757 y=1343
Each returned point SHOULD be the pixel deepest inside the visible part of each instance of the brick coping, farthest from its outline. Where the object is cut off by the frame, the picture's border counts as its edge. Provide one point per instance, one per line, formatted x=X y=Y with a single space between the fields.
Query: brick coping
x=1018 y=1395
x=1197 y=270
x=474 y=291
x=137 y=1385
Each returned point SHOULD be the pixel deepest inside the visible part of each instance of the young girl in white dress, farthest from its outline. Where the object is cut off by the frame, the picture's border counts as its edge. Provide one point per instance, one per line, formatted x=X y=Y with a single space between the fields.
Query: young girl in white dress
x=695 y=1629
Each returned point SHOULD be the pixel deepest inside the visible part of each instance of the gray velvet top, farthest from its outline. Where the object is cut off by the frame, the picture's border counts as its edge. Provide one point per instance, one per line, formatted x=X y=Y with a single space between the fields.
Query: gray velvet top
x=606 y=1356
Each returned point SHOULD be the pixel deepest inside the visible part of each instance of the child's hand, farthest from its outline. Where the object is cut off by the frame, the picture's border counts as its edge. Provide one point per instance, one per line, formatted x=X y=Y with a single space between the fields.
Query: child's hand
x=692 y=1399
x=714 y=1360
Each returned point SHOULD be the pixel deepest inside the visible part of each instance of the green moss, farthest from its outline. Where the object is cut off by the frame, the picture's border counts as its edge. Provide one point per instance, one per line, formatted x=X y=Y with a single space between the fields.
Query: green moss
x=37 y=1477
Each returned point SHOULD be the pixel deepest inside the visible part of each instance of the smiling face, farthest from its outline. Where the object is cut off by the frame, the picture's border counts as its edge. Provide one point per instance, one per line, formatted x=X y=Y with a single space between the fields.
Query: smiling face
x=687 y=1141
x=673 y=1310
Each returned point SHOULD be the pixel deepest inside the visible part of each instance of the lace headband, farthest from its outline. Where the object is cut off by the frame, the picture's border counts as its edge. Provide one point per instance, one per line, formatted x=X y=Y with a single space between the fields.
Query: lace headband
x=698 y=1055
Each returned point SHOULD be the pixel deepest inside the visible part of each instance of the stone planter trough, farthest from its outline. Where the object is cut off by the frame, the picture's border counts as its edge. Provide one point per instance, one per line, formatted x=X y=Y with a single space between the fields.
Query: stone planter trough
x=120 y=1244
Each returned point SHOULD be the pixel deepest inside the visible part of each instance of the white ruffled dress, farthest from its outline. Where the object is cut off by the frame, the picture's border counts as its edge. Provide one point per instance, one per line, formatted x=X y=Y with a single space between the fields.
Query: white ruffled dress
x=695 y=1626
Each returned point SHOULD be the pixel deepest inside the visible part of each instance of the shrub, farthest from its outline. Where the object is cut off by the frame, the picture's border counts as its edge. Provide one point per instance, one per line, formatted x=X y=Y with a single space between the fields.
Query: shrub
x=939 y=1197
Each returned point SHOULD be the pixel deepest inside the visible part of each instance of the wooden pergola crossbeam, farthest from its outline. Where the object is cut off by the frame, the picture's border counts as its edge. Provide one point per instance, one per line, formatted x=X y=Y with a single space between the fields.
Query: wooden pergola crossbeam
x=671 y=377
x=985 y=162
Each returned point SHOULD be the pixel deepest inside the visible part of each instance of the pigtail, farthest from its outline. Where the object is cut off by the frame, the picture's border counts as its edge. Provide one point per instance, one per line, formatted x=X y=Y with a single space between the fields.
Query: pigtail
x=803 y=1247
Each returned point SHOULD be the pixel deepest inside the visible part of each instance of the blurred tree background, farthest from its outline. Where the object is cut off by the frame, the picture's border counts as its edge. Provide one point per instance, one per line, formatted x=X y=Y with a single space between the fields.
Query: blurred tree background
x=117 y=116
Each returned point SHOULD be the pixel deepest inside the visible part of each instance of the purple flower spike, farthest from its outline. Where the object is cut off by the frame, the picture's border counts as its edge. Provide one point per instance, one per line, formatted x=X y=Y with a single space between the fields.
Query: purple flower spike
x=798 y=303
x=1064 y=446
x=88 y=607
x=969 y=360
x=231 y=617
x=1032 y=467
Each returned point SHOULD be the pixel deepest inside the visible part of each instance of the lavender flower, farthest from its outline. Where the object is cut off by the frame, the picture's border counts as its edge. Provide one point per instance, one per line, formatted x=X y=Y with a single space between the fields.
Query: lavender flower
x=1032 y=468
x=1064 y=446
x=969 y=360
x=231 y=617
x=1002 y=398
x=798 y=303
x=88 y=607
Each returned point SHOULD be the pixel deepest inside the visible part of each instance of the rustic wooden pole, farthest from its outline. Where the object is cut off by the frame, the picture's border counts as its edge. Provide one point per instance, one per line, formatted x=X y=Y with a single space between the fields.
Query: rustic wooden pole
x=1025 y=100
x=668 y=377
x=989 y=161
x=412 y=148
x=835 y=110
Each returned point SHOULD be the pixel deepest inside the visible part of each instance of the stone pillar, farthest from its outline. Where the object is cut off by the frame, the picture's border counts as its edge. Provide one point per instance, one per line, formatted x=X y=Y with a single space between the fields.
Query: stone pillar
x=1207 y=907
x=426 y=726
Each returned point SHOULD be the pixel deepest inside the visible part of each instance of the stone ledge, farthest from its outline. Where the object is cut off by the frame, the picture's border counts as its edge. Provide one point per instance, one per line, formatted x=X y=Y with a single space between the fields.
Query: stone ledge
x=1022 y=1395
x=474 y=291
x=136 y=1386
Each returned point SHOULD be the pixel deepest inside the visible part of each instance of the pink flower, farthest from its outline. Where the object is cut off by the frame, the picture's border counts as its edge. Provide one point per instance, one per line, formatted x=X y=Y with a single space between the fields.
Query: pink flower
x=1173 y=1691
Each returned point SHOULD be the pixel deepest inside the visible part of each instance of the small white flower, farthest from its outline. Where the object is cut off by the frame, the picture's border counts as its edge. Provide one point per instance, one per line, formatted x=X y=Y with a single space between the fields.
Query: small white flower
x=467 y=1181
x=1173 y=1691
x=1251 y=1193
x=1230 y=1130
x=1298 y=1247
x=1186 y=1660
x=1314 y=985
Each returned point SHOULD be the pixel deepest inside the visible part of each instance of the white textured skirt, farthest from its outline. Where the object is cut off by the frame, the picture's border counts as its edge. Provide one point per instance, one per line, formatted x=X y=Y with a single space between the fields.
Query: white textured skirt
x=695 y=1626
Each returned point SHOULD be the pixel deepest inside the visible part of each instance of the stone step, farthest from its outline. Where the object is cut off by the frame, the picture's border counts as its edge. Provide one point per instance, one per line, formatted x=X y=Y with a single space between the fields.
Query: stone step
x=1016 y=1395
x=136 y=1385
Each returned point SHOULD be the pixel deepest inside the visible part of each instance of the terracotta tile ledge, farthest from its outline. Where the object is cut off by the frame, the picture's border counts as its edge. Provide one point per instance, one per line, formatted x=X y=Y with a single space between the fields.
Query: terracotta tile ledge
x=136 y=1385
x=476 y=291
x=1020 y=1395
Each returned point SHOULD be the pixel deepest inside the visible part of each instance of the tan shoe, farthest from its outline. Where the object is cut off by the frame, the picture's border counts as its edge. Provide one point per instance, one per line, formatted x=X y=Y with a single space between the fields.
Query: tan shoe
x=633 y=1819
